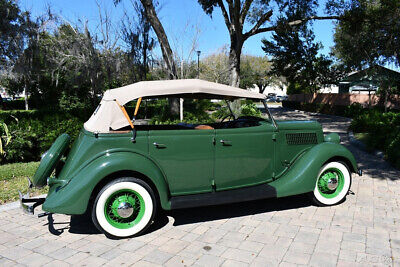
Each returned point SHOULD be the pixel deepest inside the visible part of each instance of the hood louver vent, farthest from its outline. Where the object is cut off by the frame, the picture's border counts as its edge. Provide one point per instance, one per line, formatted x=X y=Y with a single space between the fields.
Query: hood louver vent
x=301 y=138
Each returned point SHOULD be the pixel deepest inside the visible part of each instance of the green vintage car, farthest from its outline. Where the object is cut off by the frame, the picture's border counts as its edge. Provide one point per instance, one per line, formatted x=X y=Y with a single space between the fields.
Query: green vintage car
x=122 y=173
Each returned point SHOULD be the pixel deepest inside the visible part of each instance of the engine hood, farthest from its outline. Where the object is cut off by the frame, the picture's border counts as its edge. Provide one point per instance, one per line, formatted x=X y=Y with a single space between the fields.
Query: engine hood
x=298 y=125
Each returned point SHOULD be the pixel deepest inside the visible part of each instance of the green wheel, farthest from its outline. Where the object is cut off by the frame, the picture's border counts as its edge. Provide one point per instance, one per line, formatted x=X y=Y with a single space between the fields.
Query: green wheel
x=124 y=207
x=332 y=185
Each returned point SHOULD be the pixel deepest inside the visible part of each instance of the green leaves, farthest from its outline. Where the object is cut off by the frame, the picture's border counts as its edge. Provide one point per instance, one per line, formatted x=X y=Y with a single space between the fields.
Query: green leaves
x=369 y=32
x=5 y=137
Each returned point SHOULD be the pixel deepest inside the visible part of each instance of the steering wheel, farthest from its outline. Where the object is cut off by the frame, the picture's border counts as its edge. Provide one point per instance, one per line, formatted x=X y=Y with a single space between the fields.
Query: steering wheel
x=228 y=116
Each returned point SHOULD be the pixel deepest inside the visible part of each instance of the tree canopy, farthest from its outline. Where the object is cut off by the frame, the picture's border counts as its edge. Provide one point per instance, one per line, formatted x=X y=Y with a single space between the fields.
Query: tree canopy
x=12 y=30
x=368 y=33
x=295 y=57
x=247 y=18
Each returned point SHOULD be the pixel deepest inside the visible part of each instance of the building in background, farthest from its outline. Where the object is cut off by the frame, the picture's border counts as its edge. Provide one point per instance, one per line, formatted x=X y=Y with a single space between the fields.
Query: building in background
x=367 y=81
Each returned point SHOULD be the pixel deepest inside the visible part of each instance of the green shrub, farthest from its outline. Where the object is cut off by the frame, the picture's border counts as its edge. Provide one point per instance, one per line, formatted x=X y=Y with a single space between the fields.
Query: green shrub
x=30 y=137
x=250 y=109
x=393 y=152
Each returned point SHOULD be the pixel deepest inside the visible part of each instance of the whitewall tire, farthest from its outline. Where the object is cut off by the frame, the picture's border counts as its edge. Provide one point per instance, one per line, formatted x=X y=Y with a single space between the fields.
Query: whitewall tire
x=124 y=207
x=332 y=185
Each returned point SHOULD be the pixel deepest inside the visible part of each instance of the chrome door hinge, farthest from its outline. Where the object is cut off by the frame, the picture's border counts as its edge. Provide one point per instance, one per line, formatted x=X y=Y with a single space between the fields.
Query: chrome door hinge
x=213 y=141
x=213 y=186
x=274 y=137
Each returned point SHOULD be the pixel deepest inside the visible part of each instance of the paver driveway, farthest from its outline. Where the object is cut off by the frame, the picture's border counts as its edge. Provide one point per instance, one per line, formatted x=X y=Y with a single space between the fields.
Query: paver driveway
x=365 y=230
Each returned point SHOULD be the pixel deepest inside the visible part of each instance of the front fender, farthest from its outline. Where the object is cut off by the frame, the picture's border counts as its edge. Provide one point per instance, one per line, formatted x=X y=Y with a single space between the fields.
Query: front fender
x=302 y=175
x=74 y=197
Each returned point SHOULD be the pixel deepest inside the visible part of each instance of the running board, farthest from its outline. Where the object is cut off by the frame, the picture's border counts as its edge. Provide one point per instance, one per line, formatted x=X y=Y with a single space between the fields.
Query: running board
x=223 y=197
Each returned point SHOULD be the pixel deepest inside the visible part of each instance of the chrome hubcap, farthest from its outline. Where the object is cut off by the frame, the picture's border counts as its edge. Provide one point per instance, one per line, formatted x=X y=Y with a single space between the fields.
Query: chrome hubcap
x=125 y=210
x=332 y=183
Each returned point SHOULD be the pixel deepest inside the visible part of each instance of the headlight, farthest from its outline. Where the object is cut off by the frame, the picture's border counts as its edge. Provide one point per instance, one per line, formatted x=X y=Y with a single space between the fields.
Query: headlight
x=333 y=138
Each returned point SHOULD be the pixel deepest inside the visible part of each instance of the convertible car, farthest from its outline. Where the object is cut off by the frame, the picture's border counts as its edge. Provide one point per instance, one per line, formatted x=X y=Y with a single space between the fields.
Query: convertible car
x=121 y=173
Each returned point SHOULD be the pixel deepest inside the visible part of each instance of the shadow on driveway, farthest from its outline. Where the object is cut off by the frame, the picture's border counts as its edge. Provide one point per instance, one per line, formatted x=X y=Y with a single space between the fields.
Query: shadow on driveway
x=82 y=224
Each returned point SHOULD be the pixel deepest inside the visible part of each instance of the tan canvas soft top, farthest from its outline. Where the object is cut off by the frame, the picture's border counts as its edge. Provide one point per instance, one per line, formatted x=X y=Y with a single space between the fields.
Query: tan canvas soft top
x=109 y=115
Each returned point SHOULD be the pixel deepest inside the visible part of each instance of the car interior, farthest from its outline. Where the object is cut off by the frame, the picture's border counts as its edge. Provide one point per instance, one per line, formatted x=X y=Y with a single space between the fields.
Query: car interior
x=241 y=122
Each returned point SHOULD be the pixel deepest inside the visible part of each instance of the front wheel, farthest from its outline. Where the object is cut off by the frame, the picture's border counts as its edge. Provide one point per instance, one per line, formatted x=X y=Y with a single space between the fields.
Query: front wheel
x=124 y=207
x=333 y=184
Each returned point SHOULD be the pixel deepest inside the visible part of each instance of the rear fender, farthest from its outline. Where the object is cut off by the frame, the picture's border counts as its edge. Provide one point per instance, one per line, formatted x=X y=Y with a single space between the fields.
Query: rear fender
x=302 y=175
x=74 y=197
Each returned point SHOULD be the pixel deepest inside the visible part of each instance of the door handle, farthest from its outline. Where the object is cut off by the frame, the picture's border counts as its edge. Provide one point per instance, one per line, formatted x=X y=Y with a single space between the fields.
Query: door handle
x=157 y=145
x=225 y=142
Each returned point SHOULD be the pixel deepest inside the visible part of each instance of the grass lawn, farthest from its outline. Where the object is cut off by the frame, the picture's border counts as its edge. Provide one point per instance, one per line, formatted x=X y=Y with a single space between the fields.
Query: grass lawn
x=13 y=178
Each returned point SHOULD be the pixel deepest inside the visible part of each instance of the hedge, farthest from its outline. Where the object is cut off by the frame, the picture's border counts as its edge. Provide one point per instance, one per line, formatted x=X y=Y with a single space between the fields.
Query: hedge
x=33 y=132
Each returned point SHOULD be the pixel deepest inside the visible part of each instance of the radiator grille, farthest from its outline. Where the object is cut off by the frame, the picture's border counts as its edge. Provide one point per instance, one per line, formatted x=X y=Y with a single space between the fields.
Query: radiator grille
x=301 y=138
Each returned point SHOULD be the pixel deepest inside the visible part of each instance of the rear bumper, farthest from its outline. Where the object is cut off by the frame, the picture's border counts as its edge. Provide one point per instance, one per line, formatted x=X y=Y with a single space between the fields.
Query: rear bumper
x=24 y=200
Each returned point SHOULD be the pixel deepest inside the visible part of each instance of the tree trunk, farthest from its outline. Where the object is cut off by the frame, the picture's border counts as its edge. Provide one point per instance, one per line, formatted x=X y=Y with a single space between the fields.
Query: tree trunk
x=165 y=48
x=234 y=64
x=26 y=96
x=234 y=68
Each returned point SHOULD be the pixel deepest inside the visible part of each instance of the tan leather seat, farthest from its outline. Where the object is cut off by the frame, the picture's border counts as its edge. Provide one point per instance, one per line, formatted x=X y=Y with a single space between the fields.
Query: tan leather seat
x=203 y=127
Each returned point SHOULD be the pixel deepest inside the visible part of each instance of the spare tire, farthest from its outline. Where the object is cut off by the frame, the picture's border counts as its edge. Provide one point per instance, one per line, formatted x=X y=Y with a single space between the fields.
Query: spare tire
x=50 y=159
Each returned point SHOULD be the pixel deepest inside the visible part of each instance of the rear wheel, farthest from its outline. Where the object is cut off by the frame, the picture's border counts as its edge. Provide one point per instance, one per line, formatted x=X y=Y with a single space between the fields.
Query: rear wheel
x=124 y=207
x=333 y=184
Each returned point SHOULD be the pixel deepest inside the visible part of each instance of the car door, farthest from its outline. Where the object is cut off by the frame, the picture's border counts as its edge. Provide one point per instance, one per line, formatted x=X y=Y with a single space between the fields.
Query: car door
x=186 y=158
x=244 y=156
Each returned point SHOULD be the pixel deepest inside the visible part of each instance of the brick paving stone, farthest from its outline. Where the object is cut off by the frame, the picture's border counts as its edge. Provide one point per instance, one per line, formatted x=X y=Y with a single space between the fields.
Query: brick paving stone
x=15 y=253
x=239 y=255
x=251 y=246
x=49 y=247
x=34 y=243
x=56 y=263
x=272 y=252
x=157 y=257
x=212 y=235
x=287 y=264
x=143 y=263
x=78 y=257
x=262 y=262
x=62 y=253
x=296 y=257
x=302 y=247
x=124 y=259
x=354 y=237
x=173 y=246
x=91 y=261
x=34 y=259
x=95 y=248
x=348 y=255
x=324 y=245
x=323 y=259
x=233 y=263
x=355 y=246
x=113 y=253
x=209 y=261
x=132 y=245
x=362 y=231
x=373 y=259
x=306 y=237
x=179 y=261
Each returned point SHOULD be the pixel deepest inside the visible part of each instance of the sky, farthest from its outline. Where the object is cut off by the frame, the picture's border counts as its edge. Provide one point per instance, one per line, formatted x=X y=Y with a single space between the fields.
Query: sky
x=181 y=20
